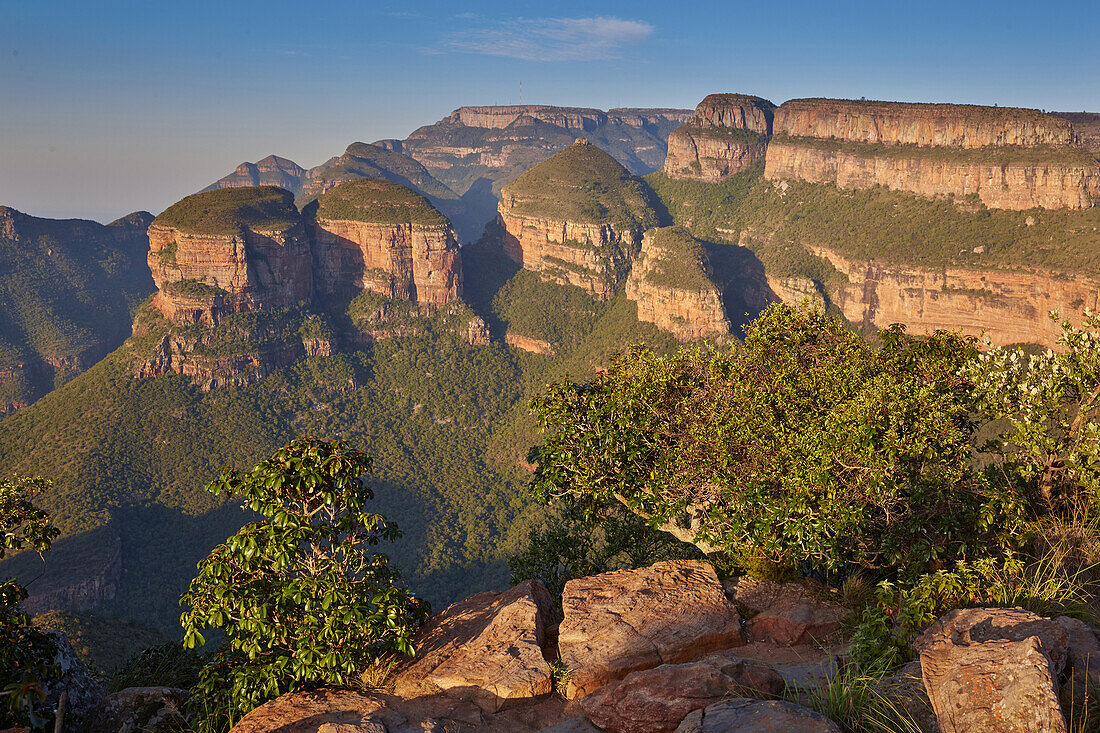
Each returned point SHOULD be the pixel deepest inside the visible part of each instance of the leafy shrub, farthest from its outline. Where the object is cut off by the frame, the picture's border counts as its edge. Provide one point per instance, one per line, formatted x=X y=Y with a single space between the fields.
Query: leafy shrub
x=803 y=446
x=301 y=599
x=26 y=653
x=166 y=665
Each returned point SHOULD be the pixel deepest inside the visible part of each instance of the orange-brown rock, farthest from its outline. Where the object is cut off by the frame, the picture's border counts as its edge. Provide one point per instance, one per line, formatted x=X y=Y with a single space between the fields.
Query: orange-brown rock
x=533 y=345
x=657 y=700
x=486 y=648
x=620 y=622
x=230 y=250
x=1058 y=178
x=944 y=125
x=727 y=134
x=372 y=234
x=670 y=282
x=576 y=219
x=406 y=261
x=1009 y=306
x=787 y=614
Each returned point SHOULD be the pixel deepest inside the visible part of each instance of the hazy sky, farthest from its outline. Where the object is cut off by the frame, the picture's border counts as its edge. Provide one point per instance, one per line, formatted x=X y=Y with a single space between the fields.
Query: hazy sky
x=108 y=107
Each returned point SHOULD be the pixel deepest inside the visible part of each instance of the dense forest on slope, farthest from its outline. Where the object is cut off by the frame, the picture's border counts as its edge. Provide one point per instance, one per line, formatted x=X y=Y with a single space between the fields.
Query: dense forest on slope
x=68 y=289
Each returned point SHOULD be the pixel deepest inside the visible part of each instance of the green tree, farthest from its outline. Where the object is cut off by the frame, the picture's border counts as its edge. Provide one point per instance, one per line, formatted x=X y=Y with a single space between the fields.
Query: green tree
x=804 y=446
x=301 y=598
x=1049 y=403
x=26 y=653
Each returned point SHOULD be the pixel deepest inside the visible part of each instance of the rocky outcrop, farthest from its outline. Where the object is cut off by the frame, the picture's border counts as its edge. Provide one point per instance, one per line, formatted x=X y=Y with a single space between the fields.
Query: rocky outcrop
x=576 y=219
x=728 y=133
x=749 y=715
x=89 y=592
x=1086 y=126
x=141 y=710
x=671 y=283
x=230 y=251
x=979 y=625
x=486 y=648
x=620 y=622
x=1009 y=158
x=1053 y=179
x=370 y=234
x=269 y=171
x=657 y=700
x=901 y=123
x=995 y=686
x=785 y=613
x=1009 y=306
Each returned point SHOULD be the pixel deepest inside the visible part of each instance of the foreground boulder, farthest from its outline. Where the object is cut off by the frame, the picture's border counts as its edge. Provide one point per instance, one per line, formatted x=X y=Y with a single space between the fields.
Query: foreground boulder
x=992 y=686
x=747 y=715
x=785 y=613
x=975 y=625
x=656 y=700
x=486 y=648
x=620 y=622
x=142 y=710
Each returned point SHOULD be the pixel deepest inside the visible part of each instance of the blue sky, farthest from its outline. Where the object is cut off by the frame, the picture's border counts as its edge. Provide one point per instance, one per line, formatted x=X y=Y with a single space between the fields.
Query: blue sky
x=108 y=107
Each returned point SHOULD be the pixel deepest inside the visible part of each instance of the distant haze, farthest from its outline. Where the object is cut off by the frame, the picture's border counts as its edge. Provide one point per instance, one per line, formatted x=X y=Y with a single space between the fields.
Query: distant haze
x=113 y=107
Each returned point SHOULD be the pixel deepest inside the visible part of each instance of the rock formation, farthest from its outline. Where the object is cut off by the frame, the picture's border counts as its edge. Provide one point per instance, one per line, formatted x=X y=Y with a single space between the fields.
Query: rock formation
x=672 y=285
x=750 y=715
x=576 y=219
x=727 y=134
x=269 y=171
x=1010 y=306
x=1009 y=158
x=230 y=251
x=370 y=234
x=1086 y=126
x=620 y=622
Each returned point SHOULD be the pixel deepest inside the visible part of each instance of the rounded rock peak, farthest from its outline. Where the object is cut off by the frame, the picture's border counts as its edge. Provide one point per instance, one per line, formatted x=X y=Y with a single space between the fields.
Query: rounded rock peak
x=376 y=201
x=581 y=141
x=228 y=211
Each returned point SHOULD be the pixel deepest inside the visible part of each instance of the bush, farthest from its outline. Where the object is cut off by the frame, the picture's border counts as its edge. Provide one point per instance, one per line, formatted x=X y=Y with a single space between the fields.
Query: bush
x=302 y=601
x=804 y=446
x=166 y=665
x=26 y=653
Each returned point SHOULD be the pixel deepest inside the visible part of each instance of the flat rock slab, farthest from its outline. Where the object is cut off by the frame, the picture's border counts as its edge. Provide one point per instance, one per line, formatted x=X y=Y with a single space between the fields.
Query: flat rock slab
x=803 y=666
x=620 y=622
x=785 y=613
x=656 y=700
x=486 y=648
x=974 y=625
x=992 y=686
x=348 y=711
x=748 y=715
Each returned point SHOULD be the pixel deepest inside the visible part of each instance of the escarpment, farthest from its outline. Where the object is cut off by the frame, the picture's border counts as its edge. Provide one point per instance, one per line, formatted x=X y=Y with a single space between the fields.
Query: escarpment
x=374 y=235
x=671 y=284
x=238 y=268
x=728 y=133
x=1008 y=158
x=577 y=219
x=1008 y=306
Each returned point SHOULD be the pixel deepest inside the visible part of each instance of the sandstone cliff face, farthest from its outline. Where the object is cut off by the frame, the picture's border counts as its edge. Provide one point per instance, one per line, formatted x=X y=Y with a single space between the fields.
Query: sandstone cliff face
x=1073 y=183
x=407 y=261
x=201 y=276
x=671 y=284
x=1010 y=306
x=589 y=256
x=945 y=125
x=1009 y=158
x=726 y=135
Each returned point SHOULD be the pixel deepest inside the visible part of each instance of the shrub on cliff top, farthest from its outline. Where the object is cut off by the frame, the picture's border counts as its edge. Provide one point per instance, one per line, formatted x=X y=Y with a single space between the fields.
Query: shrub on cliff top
x=229 y=210
x=301 y=598
x=805 y=445
x=377 y=201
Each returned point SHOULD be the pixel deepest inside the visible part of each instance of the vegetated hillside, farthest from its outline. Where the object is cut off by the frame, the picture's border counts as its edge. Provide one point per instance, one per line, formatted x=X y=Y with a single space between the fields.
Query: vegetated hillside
x=877 y=225
x=68 y=289
x=377 y=201
x=228 y=212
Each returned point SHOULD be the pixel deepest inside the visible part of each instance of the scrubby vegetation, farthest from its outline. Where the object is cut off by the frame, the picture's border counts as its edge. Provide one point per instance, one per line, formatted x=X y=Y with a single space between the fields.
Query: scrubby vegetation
x=584 y=184
x=679 y=260
x=1004 y=155
x=377 y=201
x=229 y=210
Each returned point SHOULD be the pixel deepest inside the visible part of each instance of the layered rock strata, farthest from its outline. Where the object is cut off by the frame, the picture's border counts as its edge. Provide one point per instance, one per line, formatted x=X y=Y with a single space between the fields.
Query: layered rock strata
x=1009 y=158
x=728 y=133
x=230 y=251
x=371 y=234
x=672 y=286
x=576 y=219
x=1009 y=306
